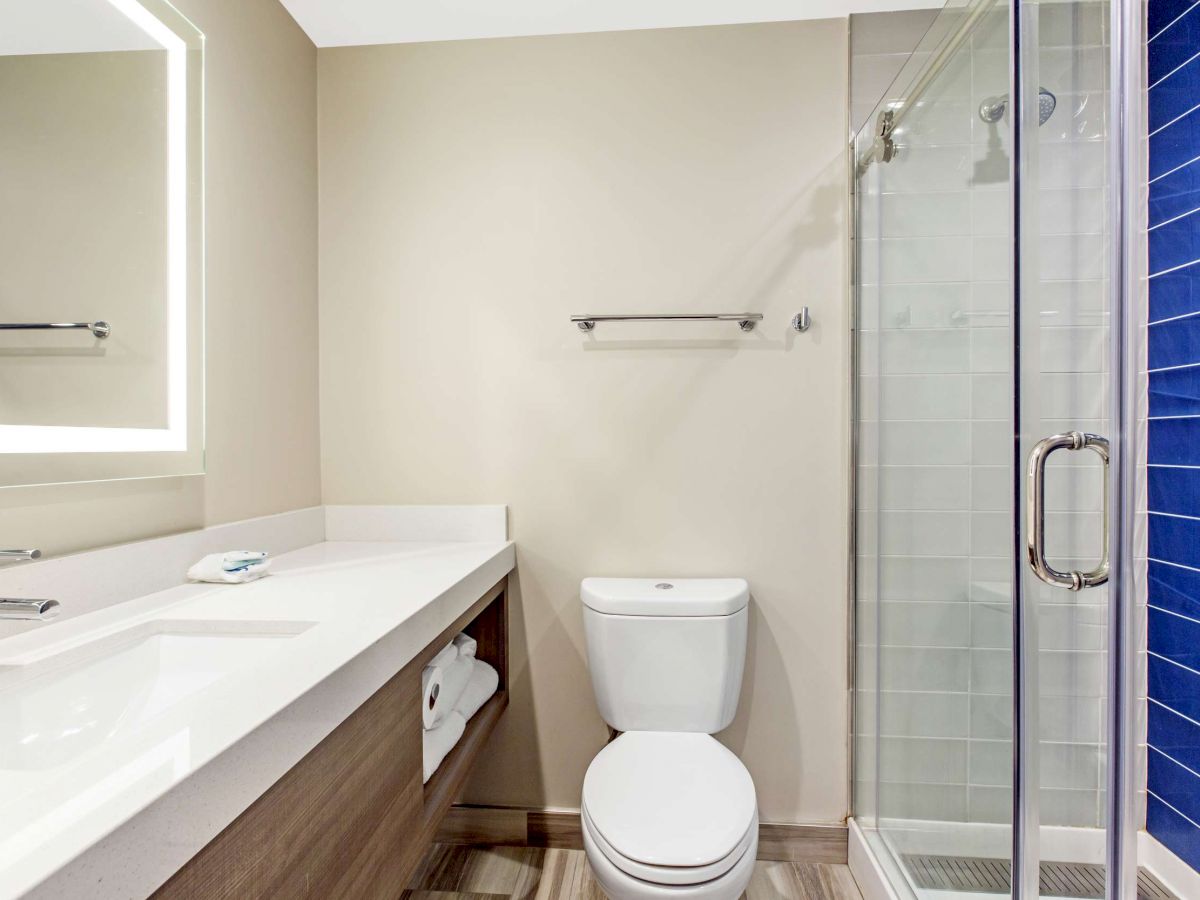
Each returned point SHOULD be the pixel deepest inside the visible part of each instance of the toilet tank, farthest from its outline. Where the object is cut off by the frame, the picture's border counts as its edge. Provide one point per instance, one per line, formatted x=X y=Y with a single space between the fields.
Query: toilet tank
x=666 y=654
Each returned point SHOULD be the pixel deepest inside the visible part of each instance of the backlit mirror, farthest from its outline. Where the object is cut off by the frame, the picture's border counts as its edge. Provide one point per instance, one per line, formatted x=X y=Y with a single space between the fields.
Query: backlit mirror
x=101 y=244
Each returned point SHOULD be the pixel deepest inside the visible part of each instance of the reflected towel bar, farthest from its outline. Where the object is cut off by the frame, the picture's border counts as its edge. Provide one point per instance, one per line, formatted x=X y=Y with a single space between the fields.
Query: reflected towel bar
x=746 y=321
x=98 y=328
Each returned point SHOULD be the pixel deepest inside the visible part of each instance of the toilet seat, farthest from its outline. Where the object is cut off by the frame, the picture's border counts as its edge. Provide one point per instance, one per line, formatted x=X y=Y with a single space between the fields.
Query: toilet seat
x=670 y=875
x=670 y=808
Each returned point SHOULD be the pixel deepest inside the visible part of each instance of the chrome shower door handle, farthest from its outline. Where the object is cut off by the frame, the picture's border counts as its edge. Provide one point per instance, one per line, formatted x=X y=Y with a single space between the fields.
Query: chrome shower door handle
x=1035 y=508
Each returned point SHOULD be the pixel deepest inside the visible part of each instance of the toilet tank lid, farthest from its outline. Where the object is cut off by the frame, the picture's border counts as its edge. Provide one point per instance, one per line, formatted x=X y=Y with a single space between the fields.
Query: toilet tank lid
x=665 y=596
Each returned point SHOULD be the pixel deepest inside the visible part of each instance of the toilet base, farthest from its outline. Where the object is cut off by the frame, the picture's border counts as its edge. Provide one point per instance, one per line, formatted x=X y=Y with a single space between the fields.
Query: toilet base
x=618 y=885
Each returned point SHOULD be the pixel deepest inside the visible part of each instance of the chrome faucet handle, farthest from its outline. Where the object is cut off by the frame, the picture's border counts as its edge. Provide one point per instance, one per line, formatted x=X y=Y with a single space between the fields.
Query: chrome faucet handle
x=20 y=554
x=15 y=608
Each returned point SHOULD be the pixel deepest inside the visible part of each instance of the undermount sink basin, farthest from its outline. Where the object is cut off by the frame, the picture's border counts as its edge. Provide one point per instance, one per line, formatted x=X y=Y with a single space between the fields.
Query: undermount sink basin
x=56 y=706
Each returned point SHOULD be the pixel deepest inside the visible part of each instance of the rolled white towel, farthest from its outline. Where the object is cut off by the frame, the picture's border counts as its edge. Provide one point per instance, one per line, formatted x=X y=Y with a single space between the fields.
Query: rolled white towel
x=466 y=645
x=454 y=682
x=234 y=567
x=482 y=684
x=437 y=742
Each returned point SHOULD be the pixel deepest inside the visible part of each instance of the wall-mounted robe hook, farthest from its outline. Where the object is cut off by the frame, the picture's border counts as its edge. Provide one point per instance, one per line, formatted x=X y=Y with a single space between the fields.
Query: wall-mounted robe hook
x=802 y=320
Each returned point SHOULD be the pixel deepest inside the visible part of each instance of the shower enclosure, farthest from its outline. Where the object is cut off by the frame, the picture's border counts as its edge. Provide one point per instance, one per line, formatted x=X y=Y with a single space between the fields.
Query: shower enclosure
x=995 y=416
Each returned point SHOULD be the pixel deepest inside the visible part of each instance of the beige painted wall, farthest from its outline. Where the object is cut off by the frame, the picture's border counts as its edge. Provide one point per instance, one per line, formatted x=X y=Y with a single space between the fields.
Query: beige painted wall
x=261 y=355
x=473 y=195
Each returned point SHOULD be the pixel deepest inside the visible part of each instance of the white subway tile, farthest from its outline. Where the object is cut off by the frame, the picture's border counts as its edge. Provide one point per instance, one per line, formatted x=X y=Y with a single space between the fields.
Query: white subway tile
x=923 y=533
x=926 y=715
x=925 y=443
x=924 y=624
x=924 y=396
x=924 y=487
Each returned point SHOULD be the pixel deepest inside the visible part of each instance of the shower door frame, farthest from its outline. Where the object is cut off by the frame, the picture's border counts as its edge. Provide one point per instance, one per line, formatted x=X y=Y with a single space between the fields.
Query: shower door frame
x=1126 y=214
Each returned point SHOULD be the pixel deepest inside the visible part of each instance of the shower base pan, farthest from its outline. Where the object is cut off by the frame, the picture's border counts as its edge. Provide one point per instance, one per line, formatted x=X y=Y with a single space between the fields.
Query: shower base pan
x=992 y=876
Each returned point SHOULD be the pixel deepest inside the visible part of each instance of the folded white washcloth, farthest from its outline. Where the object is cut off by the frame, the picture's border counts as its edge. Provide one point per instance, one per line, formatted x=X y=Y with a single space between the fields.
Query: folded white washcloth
x=445 y=656
x=436 y=743
x=480 y=686
x=230 y=568
x=466 y=645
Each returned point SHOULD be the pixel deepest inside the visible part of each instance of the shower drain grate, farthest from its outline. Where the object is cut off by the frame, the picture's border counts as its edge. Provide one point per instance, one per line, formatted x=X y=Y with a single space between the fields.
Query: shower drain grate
x=991 y=876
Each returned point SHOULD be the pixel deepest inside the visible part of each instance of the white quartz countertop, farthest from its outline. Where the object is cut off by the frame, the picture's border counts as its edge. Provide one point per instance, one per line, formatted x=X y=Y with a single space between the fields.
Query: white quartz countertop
x=331 y=623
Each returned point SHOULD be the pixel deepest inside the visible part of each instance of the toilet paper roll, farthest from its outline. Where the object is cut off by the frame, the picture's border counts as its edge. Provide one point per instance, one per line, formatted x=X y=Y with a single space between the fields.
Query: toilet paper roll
x=432 y=678
x=454 y=681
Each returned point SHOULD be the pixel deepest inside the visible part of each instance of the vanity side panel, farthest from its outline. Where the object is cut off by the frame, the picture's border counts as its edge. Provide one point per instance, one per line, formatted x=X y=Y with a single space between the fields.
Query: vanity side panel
x=352 y=818
x=341 y=812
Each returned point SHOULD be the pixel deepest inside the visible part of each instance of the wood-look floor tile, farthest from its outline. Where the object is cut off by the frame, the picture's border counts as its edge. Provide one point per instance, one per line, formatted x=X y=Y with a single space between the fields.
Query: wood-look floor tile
x=501 y=870
x=531 y=873
x=823 y=881
x=489 y=870
x=773 y=881
x=440 y=866
x=557 y=875
x=586 y=887
x=801 y=881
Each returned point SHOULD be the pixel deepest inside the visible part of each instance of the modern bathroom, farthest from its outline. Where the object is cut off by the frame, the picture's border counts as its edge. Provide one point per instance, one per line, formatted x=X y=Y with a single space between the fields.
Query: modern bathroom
x=635 y=450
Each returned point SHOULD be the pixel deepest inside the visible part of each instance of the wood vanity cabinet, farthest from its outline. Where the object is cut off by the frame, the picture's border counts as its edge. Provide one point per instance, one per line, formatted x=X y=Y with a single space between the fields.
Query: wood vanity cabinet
x=352 y=819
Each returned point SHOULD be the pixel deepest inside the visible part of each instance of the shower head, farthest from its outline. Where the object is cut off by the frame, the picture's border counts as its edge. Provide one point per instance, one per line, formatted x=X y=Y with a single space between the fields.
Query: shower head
x=993 y=109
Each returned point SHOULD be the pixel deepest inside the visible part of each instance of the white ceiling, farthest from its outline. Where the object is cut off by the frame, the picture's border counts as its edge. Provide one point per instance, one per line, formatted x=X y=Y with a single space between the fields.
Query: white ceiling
x=335 y=23
x=67 y=26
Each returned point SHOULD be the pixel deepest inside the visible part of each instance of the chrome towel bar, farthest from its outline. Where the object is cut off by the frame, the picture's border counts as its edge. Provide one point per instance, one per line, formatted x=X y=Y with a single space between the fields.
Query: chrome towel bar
x=745 y=321
x=98 y=328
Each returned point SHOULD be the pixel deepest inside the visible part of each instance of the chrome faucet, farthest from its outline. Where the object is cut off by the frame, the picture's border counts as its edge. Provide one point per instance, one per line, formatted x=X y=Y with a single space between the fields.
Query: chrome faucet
x=15 y=608
x=20 y=554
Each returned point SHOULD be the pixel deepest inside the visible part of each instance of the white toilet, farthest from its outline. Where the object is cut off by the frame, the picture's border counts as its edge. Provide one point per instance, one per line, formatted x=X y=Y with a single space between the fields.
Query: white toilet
x=668 y=811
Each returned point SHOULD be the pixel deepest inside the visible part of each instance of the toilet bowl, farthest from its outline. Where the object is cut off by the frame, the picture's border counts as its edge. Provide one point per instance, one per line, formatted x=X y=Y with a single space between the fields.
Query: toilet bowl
x=667 y=810
x=669 y=814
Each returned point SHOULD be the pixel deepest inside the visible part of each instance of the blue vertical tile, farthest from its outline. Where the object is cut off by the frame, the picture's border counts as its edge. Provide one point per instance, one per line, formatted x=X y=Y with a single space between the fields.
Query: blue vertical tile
x=1175 y=590
x=1173 y=735
x=1177 y=341
x=1174 y=686
x=1174 y=244
x=1162 y=13
x=1173 y=47
x=1173 y=490
x=1175 y=784
x=1175 y=638
x=1174 y=442
x=1176 y=540
x=1175 y=145
x=1174 y=194
x=1174 y=294
x=1175 y=94
x=1173 y=831
x=1175 y=392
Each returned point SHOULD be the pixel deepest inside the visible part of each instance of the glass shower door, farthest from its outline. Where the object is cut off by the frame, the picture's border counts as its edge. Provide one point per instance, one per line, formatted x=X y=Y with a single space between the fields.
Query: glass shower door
x=935 y=395
x=982 y=249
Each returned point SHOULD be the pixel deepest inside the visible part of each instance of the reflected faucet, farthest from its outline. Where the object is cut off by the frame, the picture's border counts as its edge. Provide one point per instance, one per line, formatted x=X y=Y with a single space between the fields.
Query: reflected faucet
x=16 y=608
x=19 y=554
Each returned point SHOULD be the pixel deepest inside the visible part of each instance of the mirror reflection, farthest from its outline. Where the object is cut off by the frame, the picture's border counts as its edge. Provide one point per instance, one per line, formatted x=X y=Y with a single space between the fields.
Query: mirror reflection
x=97 y=266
